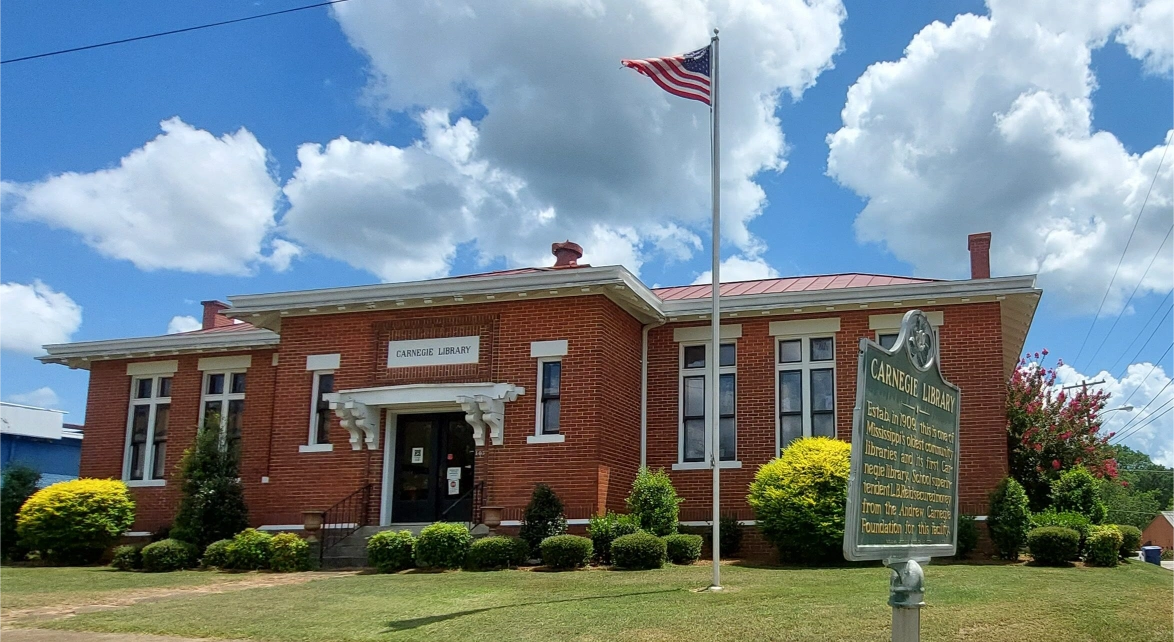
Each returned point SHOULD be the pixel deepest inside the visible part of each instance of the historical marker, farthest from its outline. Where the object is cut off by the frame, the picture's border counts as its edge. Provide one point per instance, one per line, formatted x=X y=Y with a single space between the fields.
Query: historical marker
x=903 y=485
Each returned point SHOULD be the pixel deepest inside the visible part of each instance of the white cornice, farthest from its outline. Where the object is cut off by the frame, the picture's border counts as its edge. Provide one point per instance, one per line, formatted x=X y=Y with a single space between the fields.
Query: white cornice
x=78 y=355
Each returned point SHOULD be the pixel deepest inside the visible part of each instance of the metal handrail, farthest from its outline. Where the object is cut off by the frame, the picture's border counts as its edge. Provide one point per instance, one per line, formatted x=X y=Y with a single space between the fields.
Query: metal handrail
x=344 y=518
x=476 y=488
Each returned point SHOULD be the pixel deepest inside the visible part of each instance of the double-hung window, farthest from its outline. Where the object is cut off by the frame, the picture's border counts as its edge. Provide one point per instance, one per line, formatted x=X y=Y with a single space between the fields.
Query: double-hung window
x=695 y=399
x=223 y=405
x=146 y=444
x=807 y=388
x=550 y=373
x=320 y=412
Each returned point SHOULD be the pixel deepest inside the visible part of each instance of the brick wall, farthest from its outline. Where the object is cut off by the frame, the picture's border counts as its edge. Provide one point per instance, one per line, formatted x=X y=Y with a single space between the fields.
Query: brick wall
x=971 y=353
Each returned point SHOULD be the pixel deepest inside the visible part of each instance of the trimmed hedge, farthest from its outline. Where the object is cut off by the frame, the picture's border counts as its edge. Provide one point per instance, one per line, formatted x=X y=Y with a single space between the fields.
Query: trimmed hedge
x=216 y=555
x=497 y=552
x=249 y=550
x=1130 y=540
x=654 y=503
x=443 y=545
x=682 y=549
x=74 y=522
x=1067 y=519
x=1076 y=491
x=638 y=551
x=604 y=529
x=1104 y=544
x=289 y=553
x=1053 y=545
x=128 y=558
x=566 y=551
x=1008 y=518
x=389 y=551
x=799 y=499
x=967 y=536
x=169 y=555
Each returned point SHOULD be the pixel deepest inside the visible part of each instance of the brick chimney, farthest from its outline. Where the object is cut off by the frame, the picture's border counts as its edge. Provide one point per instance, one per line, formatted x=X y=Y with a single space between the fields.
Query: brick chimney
x=212 y=314
x=566 y=254
x=980 y=255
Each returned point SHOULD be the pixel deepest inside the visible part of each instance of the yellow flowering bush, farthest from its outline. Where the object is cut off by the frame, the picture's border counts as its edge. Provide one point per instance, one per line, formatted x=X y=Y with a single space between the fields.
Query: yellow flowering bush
x=74 y=522
x=799 y=499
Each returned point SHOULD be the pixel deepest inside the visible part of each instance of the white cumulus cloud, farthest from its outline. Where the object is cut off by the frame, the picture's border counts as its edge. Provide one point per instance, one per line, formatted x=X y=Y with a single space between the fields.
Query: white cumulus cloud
x=35 y=314
x=740 y=268
x=569 y=146
x=985 y=124
x=43 y=397
x=185 y=200
x=183 y=324
x=1149 y=426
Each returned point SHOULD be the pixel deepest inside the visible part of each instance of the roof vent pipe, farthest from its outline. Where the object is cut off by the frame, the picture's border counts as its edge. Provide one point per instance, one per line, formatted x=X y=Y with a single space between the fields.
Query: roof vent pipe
x=566 y=254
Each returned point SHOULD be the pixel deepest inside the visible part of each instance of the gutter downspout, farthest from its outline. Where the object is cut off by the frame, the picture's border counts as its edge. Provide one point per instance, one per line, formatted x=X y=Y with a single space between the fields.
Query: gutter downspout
x=644 y=391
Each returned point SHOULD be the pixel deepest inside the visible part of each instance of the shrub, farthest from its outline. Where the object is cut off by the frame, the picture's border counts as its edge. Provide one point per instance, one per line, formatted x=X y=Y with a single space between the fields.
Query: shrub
x=169 y=555
x=250 y=550
x=497 y=552
x=638 y=551
x=1104 y=544
x=566 y=551
x=389 y=551
x=653 y=502
x=1167 y=555
x=799 y=498
x=731 y=536
x=216 y=555
x=74 y=522
x=682 y=549
x=289 y=553
x=1008 y=518
x=443 y=545
x=1076 y=491
x=603 y=530
x=1053 y=545
x=967 y=536
x=1130 y=540
x=128 y=558
x=1075 y=521
x=17 y=484
x=543 y=518
x=212 y=504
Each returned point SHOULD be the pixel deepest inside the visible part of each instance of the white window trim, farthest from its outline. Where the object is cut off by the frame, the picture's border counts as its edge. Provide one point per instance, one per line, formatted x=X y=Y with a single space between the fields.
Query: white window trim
x=224 y=397
x=683 y=372
x=149 y=454
x=538 y=437
x=805 y=365
x=312 y=445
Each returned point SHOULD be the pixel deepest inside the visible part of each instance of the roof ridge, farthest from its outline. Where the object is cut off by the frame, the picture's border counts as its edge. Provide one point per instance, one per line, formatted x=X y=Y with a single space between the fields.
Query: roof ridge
x=801 y=276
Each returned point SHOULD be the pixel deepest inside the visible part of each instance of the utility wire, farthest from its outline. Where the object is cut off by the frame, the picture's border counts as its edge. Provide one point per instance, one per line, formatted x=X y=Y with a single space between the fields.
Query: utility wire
x=1150 y=420
x=1136 y=419
x=1147 y=376
x=1160 y=306
x=172 y=32
x=1152 y=259
x=1123 y=252
x=1143 y=346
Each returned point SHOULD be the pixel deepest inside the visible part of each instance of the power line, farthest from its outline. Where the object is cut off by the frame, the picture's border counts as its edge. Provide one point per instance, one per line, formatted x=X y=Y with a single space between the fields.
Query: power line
x=1140 y=281
x=171 y=32
x=1143 y=347
x=1150 y=420
x=1123 y=252
x=1138 y=418
x=1161 y=306
x=1147 y=376
x=1132 y=427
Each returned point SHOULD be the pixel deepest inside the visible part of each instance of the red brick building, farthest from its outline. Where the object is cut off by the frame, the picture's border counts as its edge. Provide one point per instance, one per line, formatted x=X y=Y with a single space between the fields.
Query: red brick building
x=433 y=398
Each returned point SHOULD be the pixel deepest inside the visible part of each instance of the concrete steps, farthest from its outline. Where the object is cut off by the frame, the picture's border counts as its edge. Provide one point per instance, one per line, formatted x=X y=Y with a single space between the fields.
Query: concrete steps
x=351 y=552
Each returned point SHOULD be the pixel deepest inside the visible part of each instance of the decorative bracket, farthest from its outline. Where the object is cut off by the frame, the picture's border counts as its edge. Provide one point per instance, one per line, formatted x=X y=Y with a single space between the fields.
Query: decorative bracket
x=358 y=421
x=484 y=411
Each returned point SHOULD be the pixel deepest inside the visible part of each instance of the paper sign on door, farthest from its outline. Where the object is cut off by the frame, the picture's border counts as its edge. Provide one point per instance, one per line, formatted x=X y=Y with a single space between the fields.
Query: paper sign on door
x=417 y=455
x=454 y=472
x=454 y=486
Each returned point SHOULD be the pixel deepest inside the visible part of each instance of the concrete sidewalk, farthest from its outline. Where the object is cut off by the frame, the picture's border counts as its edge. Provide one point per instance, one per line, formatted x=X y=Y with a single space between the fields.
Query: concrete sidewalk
x=46 y=635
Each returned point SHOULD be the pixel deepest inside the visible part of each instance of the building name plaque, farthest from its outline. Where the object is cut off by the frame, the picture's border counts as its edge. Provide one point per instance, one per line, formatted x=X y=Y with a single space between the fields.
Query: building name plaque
x=433 y=352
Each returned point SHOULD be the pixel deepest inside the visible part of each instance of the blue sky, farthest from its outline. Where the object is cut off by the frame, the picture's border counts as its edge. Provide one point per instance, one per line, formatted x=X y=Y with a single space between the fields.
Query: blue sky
x=1042 y=126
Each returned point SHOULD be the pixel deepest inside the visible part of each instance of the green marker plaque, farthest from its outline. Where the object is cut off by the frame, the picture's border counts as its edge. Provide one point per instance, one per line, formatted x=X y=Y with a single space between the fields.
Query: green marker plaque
x=903 y=485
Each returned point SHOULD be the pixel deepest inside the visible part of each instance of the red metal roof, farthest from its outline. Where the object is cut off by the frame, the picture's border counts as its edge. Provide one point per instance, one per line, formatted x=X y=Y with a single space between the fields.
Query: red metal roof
x=235 y=327
x=787 y=284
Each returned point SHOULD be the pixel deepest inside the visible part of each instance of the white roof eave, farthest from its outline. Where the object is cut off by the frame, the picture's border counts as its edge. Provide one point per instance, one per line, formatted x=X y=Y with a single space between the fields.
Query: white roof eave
x=76 y=354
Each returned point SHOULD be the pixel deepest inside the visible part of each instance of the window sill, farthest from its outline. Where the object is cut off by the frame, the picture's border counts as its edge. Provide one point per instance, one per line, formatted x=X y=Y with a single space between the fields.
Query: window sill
x=144 y=483
x=546 y=439
x=704 y=465
x=316 y=448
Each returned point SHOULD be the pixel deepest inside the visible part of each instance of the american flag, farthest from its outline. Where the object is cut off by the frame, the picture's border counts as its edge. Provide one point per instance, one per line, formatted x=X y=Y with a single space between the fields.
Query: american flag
x=686 y=75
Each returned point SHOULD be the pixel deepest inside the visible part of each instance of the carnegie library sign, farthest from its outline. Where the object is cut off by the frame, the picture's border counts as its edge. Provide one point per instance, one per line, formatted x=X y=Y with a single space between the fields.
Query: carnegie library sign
x=433 y=352
x=903 y=485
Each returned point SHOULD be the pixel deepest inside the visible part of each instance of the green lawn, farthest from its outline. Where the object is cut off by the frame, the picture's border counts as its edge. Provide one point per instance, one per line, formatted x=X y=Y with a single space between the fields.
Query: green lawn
x=988 y=602
x=28 y=587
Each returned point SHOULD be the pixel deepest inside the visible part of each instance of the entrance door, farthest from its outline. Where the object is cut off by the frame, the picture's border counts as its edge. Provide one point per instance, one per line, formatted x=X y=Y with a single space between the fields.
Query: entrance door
x=433 y=469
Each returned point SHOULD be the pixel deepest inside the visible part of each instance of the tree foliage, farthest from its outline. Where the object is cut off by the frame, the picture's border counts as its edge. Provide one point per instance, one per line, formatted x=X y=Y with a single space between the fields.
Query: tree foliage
x=654 y=502
x=543 y=518
x=1050 y=431
x=212 y=506
x=19 y=483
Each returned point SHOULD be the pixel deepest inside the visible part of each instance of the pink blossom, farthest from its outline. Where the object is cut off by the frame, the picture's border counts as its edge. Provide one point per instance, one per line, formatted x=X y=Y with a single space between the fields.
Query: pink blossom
x=1044 y=351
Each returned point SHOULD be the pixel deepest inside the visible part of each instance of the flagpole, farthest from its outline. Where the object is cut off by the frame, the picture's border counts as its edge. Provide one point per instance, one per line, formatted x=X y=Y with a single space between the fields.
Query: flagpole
x=715 y=322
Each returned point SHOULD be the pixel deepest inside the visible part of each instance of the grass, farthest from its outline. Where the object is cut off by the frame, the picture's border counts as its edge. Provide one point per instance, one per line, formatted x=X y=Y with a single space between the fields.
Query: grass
x=30 y=586
x=990 y=602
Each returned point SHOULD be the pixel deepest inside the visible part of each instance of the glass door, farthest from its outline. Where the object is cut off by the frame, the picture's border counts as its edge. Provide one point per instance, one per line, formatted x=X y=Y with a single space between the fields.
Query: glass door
x=456 y=470
x=414 y=490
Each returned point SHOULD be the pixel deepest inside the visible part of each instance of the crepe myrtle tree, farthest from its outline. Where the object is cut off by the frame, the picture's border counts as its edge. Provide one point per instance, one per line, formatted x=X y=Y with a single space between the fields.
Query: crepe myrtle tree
x=1050 y=430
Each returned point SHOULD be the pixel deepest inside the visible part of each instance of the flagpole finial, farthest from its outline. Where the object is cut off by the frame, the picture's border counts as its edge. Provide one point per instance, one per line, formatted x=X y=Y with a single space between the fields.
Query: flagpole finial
x=715 y=32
